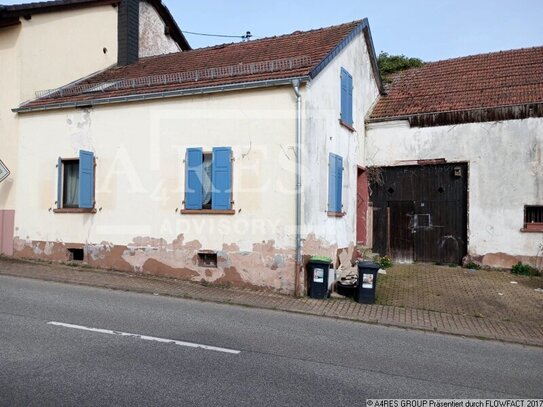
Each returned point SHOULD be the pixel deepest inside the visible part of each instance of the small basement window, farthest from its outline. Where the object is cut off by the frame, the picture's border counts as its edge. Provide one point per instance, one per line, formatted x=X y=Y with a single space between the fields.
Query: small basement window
x=76 y=255
x=207 y=259
x=533 y=218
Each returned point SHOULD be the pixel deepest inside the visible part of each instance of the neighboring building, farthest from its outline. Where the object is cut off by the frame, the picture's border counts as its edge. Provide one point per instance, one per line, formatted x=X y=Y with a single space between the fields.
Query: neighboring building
x=456 y=156
x=48 y=44
x=185 y=165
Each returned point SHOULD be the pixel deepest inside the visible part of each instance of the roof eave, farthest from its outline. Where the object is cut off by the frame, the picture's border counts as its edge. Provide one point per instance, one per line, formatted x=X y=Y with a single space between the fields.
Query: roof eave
x=465 y=116
x=364 y=27
x=162 y=95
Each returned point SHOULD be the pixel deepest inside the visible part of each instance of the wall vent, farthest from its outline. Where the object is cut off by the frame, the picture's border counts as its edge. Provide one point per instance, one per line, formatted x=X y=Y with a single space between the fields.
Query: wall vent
x=207 y=259
x=76 y=255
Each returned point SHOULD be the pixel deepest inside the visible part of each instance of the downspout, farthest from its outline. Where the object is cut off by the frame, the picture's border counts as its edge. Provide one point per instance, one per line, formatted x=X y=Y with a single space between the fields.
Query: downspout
x=298 y=265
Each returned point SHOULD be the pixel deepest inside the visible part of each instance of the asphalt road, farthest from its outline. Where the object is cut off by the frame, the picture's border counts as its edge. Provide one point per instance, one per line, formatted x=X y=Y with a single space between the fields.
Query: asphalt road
x=259 y=357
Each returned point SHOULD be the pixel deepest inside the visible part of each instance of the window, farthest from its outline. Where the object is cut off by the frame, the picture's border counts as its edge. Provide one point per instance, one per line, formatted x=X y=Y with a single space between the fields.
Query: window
x=75 y=191
x=208 y=180
x=335 y=185
x=533 y=218
x=346 y=116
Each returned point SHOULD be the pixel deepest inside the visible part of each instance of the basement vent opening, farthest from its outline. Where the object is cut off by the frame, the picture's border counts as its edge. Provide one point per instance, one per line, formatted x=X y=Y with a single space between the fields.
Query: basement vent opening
x=76 y=255
x=207 y=259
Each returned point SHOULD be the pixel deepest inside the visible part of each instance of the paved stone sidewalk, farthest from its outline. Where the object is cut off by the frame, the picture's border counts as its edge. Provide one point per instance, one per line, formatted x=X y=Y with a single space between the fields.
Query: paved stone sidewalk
x=442 y=322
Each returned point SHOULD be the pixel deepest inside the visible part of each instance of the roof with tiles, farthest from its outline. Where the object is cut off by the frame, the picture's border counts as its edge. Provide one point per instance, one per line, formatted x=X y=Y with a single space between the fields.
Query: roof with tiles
x=482 y=81
x=288 y=56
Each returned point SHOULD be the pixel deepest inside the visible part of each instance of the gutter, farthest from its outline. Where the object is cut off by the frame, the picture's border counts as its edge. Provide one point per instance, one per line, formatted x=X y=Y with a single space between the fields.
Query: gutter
x=298 y=264
x=161 y=95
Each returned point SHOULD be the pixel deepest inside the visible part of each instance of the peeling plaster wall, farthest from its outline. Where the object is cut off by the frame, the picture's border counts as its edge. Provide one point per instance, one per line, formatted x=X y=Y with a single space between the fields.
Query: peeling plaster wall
x=323 y=135
x=505 y=163
x=39 y=54
x=153 y=40
x=140 y=175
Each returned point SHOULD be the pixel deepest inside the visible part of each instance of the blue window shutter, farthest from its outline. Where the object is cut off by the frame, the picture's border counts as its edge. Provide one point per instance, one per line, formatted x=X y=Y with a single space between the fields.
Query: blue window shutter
x=86 y=179
x=346 y=97
x=193 y=178
x=221 y=192
x=344 y=93
x=59 y=183
x=339 y=185
x=349 y=99
x=332 y=183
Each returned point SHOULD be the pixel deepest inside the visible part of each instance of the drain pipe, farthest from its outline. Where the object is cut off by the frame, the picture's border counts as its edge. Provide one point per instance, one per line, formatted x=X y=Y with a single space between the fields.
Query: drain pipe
x=298 y=267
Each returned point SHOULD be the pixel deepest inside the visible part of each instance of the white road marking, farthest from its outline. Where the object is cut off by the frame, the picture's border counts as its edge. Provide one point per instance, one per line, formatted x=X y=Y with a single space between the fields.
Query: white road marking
x=146 y=338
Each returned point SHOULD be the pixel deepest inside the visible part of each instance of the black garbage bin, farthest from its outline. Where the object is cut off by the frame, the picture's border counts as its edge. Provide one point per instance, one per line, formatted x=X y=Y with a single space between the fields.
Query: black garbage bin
x=317 y=270
x=367 y=282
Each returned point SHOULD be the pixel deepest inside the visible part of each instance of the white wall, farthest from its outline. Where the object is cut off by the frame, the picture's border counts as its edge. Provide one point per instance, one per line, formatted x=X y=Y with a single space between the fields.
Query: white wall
x=323 y=134
x=505 y=173
x=152 y=40
x=45 y=52
x=140 y=175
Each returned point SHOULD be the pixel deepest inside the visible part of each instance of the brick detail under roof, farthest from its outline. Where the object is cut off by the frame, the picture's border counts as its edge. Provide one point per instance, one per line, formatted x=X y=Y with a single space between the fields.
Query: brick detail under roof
x=486 y=81
x=314 y=45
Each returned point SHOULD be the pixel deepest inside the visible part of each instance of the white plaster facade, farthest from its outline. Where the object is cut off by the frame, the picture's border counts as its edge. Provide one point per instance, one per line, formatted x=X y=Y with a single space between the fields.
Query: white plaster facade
x=505 y=164
x=140 y=176
x=50 y=50
x=324 y=134
x=39 y=54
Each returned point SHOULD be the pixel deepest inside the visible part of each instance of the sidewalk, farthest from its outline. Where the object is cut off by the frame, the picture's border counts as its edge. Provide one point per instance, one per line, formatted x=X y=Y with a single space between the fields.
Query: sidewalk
x=530 y=333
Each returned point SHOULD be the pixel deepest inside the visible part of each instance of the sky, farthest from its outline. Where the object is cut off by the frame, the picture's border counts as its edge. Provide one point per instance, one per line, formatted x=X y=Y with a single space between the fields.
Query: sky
x=427 y=29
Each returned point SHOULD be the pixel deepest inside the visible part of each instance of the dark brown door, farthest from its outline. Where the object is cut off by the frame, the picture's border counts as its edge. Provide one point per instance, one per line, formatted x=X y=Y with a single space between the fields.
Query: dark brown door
x=400 y=233
x=421 y=213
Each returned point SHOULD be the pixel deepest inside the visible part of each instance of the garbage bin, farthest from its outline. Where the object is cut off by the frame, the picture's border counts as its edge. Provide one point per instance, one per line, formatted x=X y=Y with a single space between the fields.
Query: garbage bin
x=318 y=273
x=367 y=282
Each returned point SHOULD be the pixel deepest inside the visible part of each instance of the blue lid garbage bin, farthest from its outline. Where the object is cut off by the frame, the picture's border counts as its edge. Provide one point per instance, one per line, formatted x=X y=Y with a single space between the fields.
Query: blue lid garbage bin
x=367 y=282
x=318 y=270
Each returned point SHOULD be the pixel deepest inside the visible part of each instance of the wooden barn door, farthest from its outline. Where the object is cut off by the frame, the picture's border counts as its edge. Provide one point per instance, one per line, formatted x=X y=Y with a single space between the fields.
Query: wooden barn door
x=421 y=213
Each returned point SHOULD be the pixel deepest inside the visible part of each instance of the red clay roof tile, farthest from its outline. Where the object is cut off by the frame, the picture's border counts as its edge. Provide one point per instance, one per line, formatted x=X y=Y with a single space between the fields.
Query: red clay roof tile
x=475 y=82
x=307 y=49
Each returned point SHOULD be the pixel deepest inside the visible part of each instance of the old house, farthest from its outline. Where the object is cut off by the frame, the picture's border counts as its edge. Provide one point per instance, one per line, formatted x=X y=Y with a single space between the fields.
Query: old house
x=454 y=152
x=229 y=164
x=49 y=44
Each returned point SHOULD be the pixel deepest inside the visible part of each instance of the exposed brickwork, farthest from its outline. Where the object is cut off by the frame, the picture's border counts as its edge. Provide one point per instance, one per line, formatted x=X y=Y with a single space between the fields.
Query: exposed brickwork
x=520 y=330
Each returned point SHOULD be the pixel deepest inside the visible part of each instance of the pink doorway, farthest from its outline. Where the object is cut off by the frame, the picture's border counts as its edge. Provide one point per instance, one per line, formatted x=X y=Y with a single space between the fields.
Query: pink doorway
x=362 y=207
x=7 y=224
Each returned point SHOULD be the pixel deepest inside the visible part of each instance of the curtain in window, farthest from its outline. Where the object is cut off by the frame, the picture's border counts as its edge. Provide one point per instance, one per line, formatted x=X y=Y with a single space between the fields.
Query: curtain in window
x=71 y=184
x=206 y=182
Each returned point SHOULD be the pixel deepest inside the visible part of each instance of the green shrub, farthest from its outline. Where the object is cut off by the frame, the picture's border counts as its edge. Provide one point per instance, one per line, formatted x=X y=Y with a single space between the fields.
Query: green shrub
x=472 y=266
x=384 y=262
x=524 y=270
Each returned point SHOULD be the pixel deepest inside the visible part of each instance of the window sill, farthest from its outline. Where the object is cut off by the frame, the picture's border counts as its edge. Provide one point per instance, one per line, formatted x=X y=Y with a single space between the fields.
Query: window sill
x=74 y=210
x=531 y=230
x=347 y=126
x=207 y=212
x=336 y=214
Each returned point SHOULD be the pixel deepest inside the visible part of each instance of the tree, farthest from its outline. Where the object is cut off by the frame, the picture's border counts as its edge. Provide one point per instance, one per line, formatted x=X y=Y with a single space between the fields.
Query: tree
x=389 y=64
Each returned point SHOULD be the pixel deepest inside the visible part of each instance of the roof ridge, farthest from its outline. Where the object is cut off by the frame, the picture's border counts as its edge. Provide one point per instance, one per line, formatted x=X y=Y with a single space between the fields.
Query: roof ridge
x=506 y=51
x=245 y=43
